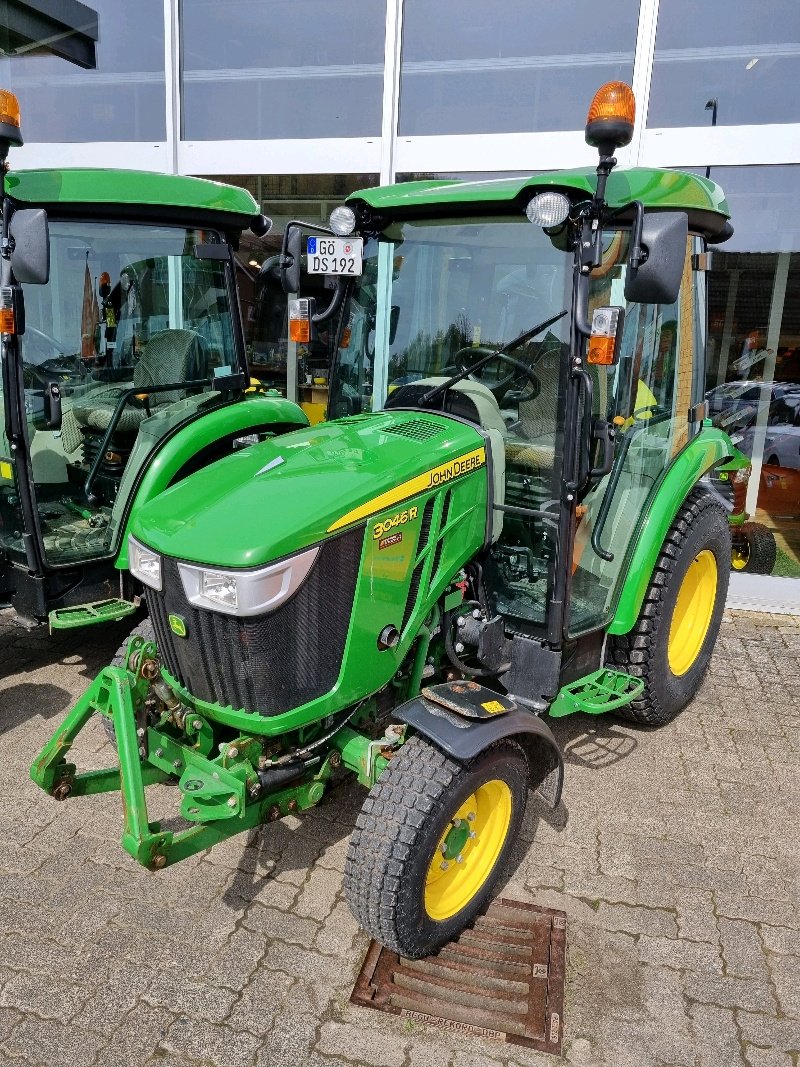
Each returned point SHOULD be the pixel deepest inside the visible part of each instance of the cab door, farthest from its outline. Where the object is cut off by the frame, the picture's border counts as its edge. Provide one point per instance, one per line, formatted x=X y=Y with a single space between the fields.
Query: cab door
x=648 y=398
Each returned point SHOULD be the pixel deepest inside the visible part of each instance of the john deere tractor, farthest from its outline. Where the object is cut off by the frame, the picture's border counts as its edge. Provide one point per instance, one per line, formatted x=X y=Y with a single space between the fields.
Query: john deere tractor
x=123 y=369
x=503 y=523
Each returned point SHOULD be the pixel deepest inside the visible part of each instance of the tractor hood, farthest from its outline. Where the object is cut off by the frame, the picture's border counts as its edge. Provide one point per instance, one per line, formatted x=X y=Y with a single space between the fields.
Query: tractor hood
x=283 y=495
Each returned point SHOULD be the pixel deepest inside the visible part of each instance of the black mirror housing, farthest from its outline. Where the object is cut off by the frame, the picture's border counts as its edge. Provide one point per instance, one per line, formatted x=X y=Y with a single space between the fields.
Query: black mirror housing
x=657 y=278
x=30 y=259
x=290 y=259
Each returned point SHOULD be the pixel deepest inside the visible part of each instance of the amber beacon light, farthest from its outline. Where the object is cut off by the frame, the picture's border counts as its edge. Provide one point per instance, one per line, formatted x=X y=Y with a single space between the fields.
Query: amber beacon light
x=9 y=119
x=609 y=124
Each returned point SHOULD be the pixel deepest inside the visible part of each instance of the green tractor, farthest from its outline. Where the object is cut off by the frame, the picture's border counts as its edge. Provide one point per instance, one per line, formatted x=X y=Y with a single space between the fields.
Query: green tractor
x=123 y=370
x=503 y=523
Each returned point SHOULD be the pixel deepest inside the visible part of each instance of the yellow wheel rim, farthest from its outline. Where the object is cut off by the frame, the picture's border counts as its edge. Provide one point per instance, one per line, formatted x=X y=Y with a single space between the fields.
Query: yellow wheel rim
x=740 y=556
x=693 y=610
x=468 y=850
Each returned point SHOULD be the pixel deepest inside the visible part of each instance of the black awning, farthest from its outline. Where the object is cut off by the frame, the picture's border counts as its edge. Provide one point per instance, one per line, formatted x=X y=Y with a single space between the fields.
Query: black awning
x=64 y=28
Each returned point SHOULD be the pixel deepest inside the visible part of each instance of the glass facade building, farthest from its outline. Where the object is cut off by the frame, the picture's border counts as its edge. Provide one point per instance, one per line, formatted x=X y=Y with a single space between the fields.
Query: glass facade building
x=303 y=102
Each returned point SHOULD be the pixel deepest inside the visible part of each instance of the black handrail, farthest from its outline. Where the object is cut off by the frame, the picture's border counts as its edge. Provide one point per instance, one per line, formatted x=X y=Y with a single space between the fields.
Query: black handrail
x=135 y=390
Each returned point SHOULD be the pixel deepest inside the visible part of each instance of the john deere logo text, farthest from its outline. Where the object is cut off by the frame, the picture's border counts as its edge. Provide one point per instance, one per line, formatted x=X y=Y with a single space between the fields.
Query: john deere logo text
x=463 y=465
x=177 y=625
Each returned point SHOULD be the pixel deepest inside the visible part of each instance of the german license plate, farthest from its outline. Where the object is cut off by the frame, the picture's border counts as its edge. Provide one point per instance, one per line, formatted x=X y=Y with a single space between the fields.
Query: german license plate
x=334 y=255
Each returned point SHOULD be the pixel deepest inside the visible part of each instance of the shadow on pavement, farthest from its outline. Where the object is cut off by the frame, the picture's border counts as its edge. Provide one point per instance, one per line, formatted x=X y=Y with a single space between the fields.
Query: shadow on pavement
x=20 y=702
x=593 y=742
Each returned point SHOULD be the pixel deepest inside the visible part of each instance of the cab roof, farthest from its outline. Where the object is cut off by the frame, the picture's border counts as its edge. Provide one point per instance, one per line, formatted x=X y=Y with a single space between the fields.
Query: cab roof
x=141 y=192
x=702 y=199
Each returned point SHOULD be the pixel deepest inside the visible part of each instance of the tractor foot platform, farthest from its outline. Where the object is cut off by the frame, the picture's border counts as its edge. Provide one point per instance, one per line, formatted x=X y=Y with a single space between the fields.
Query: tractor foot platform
x=89 y=614
x=602 y=691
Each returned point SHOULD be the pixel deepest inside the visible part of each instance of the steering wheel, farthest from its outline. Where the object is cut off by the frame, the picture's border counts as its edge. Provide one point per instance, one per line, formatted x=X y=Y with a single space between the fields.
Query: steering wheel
x=498 y=389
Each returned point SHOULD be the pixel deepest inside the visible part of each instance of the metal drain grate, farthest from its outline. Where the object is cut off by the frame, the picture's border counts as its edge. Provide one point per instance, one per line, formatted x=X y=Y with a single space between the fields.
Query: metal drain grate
x=503 y=978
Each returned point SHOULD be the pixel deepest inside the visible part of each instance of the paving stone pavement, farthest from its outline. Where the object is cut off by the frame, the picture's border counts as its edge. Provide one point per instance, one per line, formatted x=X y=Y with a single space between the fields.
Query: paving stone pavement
x=675 y=854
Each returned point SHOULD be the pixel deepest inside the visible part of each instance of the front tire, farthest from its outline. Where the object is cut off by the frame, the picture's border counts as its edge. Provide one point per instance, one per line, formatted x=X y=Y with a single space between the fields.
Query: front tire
x=431 y=842
x=670 y=646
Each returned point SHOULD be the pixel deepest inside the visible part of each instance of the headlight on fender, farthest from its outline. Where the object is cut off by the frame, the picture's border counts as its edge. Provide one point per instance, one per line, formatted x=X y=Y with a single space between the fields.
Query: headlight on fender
x=246 y=593
x=144 y=564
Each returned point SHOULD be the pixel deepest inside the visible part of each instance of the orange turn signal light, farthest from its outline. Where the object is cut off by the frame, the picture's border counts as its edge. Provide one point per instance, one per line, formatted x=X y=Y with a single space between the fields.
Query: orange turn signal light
x=300 y=331
x=606 y=333
x=612 y=113
x=7 y=321
x=300 y=321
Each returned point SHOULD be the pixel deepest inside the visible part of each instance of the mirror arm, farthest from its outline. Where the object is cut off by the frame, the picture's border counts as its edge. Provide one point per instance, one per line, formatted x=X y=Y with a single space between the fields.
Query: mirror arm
x=287 y=259
x=335 y=304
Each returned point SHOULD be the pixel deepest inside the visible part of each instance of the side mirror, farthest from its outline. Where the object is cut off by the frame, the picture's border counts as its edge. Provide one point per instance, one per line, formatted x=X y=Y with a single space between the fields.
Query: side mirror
x=290 y=259
x=30 y=233
x=657 y=257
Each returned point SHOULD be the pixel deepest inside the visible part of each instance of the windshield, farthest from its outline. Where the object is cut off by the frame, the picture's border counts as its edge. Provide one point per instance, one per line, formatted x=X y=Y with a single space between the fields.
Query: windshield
x=128 y=310
x=113 y=288
x=456 y=289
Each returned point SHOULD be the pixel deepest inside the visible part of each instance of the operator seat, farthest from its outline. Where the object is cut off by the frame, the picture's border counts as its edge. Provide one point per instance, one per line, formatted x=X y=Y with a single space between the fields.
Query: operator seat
x=476 y=403
x=169 y=356
x=535 y=445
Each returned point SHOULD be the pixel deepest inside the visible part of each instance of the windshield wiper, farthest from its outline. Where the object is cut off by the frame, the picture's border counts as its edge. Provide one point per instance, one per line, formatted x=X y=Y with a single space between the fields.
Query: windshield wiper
x=506 y=348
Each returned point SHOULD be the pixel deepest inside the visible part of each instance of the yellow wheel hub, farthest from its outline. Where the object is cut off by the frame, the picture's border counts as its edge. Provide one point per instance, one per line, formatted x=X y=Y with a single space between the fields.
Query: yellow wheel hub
x=693 y=610
x=468 y=850
x=740 y=556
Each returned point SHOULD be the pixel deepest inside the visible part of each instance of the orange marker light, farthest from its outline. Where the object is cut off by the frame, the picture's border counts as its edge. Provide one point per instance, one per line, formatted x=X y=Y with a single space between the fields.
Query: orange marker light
x=609 y=124
x=299 y=321
x=606 y=333
x=7 y=323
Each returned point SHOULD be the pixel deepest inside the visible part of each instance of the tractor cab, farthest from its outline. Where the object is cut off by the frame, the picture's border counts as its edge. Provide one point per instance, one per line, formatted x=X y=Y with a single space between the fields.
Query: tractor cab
x=563 y=315
x=121 y=327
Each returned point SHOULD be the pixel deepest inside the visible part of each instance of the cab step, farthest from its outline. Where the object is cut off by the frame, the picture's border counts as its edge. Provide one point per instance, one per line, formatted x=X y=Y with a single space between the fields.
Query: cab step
x=601 y=691
x=90 y=614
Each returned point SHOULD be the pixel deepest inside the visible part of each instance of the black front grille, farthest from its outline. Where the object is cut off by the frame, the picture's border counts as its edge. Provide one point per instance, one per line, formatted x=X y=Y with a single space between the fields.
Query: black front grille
x=270 y=663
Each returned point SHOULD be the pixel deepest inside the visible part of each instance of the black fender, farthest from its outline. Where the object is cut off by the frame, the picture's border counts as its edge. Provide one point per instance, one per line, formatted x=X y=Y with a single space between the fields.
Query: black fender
x=464 y=738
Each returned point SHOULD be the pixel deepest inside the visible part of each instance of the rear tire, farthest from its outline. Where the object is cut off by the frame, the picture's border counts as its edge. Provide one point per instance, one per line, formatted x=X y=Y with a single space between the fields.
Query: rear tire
x=402 y=879
x=145 y=630
x=754 y=548
x=670 y=645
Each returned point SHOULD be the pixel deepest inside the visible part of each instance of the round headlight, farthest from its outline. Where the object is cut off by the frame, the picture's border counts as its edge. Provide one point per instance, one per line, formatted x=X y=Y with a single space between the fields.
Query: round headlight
x=343 y=221
x=548 y=209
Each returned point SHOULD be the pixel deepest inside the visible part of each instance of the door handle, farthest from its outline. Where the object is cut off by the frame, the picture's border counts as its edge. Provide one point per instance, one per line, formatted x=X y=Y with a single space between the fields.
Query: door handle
x=602 y=433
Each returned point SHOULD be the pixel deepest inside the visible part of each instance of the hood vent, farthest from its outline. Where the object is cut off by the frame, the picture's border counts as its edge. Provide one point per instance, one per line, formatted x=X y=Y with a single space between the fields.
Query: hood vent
x=415 y=429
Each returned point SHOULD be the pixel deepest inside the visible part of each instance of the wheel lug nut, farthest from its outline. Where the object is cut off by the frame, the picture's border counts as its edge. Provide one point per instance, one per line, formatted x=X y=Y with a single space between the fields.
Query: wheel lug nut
x=443 y=848
x=473 y=835
x=459 y=858
x=444 y=865
x=471 y=816
x=456 y=823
